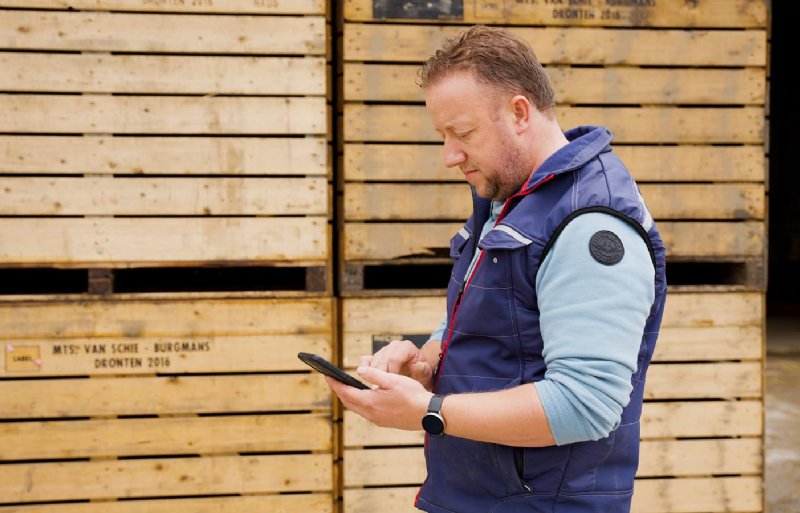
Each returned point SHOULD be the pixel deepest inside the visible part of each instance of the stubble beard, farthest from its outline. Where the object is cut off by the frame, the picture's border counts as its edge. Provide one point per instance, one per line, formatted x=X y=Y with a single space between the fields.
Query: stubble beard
x=510 y=176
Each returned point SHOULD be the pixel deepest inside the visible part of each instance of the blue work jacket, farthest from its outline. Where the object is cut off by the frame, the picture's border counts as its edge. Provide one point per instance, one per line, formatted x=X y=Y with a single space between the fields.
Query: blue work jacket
x=493 y=342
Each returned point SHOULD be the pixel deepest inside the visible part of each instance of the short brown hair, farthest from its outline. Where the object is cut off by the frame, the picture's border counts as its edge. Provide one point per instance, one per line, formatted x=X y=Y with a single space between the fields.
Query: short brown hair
x=496 y=58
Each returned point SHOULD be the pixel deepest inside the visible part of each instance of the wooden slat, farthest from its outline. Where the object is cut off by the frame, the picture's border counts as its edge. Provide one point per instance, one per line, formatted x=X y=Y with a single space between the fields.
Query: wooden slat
x=165 y=477
x=717 y=343
x=686 y=495
x=316 y=502
x=402 y=123
x=364 y=202
x=163 y=196
x=405 y=466
x=392 y=82
x=674 y=343
x=365 y=241
x=704 y=380
x=162 y=155
x=169 y=436
x=29 y=72
x=228 y=6
x=162 y=115
x=415 y=43
x=669 y=13
x=162 y=33
x=411 y=162
x=659 y=420
x=704 y=310
x=178 y=354
x=162 y=395
x=117 y=241
x=176 y=317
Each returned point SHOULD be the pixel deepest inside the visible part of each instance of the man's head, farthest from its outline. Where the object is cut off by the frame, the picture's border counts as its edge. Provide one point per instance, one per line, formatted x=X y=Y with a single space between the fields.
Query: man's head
x=492 y=103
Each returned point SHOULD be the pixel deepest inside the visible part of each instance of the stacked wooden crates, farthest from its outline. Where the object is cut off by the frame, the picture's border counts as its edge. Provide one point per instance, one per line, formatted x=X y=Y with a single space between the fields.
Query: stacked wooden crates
x=682 y=87
x=159 y=150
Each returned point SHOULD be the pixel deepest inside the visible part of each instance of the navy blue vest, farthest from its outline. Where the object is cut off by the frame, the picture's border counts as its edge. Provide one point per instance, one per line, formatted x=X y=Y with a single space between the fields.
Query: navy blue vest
x=493 y=342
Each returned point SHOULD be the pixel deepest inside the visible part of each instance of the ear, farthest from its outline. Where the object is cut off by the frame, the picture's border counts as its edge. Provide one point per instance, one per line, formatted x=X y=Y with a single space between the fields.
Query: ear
x=521 y=111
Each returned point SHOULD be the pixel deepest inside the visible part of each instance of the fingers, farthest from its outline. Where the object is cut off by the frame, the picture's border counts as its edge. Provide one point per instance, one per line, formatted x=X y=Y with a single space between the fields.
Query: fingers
x=365 y=361
x=377 y=377
x=396 y=357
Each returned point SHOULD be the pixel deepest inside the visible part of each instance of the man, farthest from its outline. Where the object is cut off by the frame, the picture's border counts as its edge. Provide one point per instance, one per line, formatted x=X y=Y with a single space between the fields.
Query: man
x=531 y=390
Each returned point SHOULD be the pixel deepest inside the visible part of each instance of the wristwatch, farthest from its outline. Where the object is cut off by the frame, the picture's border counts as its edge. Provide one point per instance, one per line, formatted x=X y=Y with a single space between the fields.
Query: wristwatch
x=433 y=422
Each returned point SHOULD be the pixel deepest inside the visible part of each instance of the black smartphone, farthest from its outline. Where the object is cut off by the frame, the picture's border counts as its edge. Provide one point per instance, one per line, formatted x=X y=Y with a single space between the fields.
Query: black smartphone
x=322 y=365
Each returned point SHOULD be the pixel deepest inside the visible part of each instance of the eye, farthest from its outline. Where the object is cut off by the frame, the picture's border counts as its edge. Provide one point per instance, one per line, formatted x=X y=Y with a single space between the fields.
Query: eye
x=464 y=135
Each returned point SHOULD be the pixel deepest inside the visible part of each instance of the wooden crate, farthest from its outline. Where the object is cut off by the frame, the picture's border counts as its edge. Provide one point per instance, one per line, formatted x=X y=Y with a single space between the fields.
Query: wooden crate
x=702 y=416
x=683 y=94
x=149 y=134
x=195 y=404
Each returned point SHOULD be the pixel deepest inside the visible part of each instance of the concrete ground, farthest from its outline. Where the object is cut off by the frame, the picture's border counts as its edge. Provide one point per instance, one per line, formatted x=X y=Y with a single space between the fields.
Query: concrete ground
x=783 y=414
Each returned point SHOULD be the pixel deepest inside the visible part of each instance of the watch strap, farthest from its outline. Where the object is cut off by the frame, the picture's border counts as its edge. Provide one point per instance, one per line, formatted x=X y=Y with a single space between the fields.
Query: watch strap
x=435 y=406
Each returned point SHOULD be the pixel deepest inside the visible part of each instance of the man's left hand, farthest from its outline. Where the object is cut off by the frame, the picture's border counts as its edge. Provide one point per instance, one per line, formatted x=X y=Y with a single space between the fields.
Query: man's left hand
x=398 y=401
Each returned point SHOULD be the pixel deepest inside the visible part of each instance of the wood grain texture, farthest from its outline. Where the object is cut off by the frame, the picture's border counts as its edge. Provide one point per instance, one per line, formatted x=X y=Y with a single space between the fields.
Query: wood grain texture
x=163 y=395
x=162 y=33
x=669 y=13
x=165 y=477
x=163 y=196
x=119 y=242
x=613 y=85
x=149 y=74
x=209 y=6
x=162 y=115
x=165 y=436
x=646 y=125
x=555 y=45
x=105 y=155
x=423 y=162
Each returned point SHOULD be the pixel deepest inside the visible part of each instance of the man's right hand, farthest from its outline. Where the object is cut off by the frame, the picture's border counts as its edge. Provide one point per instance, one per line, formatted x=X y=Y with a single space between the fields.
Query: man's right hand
x=402 y=357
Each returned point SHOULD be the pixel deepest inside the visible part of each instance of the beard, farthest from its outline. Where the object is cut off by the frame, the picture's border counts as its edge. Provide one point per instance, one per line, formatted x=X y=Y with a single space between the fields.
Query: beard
x=509 y=177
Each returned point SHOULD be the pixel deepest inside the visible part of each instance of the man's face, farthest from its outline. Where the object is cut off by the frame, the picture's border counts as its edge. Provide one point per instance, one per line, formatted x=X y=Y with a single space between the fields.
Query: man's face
x=478 y=132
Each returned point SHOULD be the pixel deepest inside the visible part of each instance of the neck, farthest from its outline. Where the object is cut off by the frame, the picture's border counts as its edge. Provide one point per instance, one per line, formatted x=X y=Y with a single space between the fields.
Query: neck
x=544 y=141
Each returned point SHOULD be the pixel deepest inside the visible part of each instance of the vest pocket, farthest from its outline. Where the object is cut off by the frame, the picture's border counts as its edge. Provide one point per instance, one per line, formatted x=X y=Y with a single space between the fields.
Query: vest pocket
x=519 y=463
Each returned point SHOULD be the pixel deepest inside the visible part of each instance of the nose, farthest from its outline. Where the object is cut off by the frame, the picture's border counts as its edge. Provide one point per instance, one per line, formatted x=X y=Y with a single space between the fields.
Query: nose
x=453 y=154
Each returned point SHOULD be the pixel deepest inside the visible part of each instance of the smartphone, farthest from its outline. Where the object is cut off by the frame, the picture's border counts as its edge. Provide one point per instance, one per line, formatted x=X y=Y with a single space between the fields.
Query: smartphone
x=322 y=365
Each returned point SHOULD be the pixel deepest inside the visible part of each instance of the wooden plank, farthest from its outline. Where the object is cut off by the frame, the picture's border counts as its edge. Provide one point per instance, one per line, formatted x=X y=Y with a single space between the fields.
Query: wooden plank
x=178 y=354
x=364 y=202
x=163 y=155
x=615 y=85
x=368 y=241
x=29 y=72
x=162 y=114
x=120 y=241
x=165 y=477
x=675 y=344
x=162 y=33
x=167 y=436
x=411 y=162
x=163 y=196
x=163 y=395
x=175 y=317
x=317 y=502
x=685 y=495
x=411 y=123
x=704 y=310
x=704 y=381
x=669 y=13
x=415 y=43
x=703 y=344
x=228 y=6
x=659 y=420
x=406 y=466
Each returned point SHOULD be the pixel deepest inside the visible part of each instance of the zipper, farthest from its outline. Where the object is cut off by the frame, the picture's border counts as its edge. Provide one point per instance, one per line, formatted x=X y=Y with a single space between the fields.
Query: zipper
x=519 y=462
x=465 y=284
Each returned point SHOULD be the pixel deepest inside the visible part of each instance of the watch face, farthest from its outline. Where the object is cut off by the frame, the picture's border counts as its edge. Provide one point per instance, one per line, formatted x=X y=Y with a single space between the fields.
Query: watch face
x=433 y=424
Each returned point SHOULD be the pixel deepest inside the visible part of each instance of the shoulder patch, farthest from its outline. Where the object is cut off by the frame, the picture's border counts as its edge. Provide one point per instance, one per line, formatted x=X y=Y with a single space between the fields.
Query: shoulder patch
x=606 y=247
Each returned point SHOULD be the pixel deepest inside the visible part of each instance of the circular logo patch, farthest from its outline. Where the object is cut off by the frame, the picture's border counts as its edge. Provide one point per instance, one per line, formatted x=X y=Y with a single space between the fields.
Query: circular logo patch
x=606 y=247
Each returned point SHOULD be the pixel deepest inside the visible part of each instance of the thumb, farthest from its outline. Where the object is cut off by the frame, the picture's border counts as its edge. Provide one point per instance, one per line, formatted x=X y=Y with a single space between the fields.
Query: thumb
x=377 y=376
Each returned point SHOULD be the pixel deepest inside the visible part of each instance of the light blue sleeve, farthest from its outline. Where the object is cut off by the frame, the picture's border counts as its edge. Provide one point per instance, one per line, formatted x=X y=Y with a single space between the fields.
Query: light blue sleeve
x=438 y=333
x=592 y=319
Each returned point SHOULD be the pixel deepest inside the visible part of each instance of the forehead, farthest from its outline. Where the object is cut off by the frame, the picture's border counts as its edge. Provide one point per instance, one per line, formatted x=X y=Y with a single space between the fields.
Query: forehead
x=459 y=98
